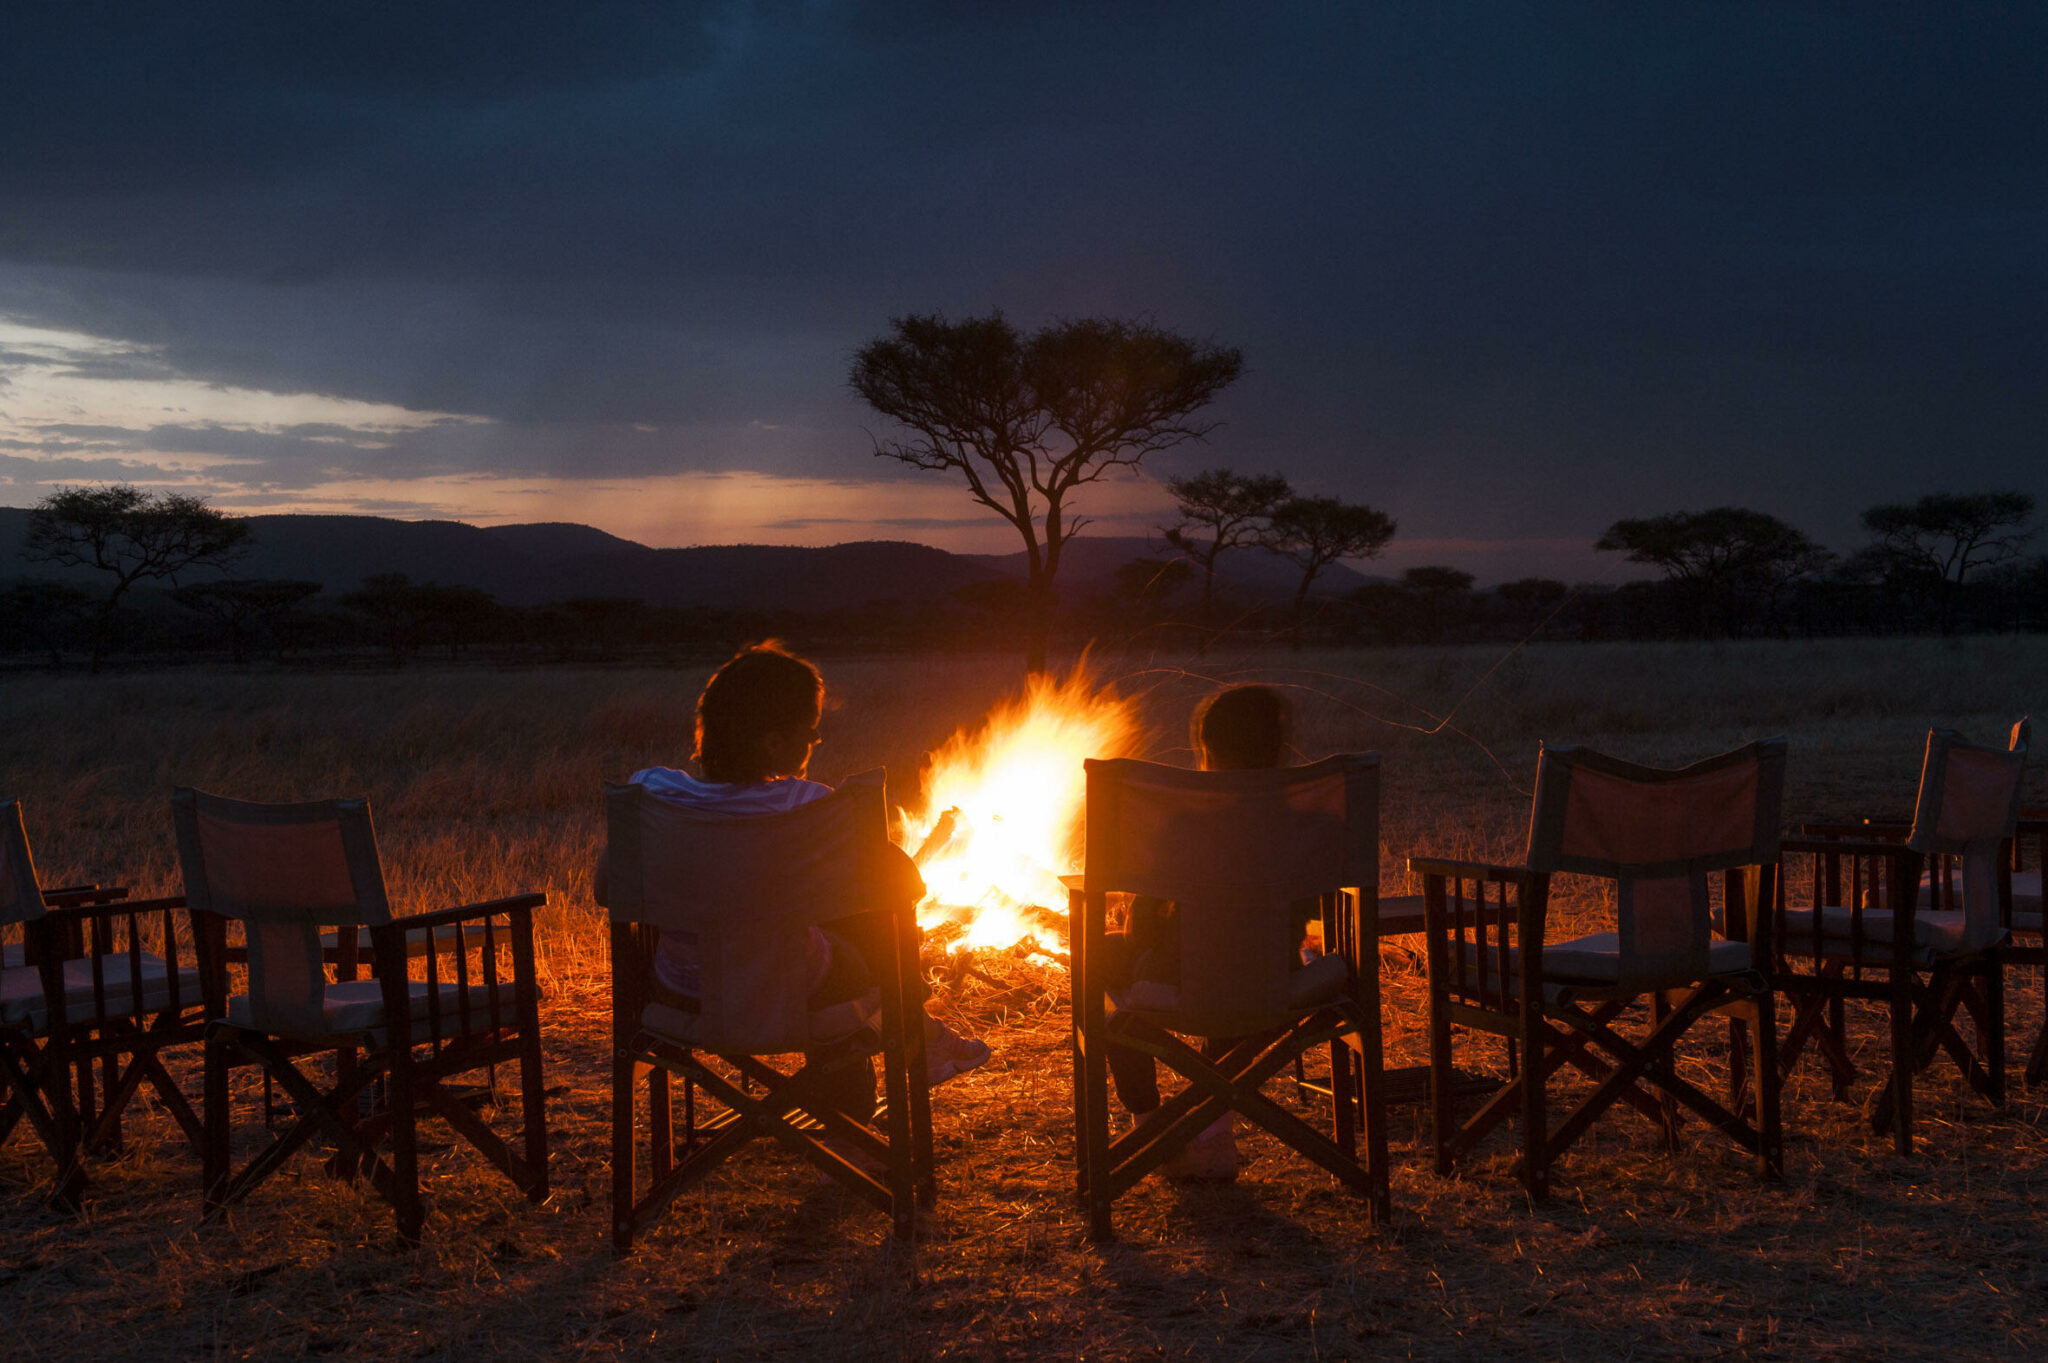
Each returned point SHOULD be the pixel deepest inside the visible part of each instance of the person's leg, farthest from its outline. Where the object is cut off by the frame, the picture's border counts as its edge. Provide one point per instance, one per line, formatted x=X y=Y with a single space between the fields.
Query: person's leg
x=851 y=1087
x=1133 y=1072
x=947 y=1053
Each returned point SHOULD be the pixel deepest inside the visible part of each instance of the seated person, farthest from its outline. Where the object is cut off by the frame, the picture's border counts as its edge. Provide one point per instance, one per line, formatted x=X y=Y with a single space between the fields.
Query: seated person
x=1241 y=728
x=757 y=723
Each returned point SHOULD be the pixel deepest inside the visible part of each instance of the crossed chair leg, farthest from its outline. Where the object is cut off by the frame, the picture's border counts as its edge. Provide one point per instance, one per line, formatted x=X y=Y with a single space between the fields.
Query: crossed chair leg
x=765 y=1103
x=1233 y=1083
x=1584 y=1037
x=336 y=1114
x=1923 y=1025
x=32 y=1094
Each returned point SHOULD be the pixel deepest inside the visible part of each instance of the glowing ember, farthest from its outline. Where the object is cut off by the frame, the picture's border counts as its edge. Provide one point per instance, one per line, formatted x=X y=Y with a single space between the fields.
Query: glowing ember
x=1003 y=806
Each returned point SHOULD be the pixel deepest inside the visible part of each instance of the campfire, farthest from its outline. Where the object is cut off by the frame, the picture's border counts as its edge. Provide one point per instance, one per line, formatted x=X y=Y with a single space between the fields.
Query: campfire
x=1002 y=819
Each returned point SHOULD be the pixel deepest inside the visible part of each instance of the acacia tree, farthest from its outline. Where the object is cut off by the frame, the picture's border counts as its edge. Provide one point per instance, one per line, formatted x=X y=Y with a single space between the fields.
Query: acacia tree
x=1231 y=509
x=1531 y=598
x=1439 y=587
x=1317 y=531
x=1949 y=535
x=135 y=535
x=1721 y=560
x=244 y=607
x=1026 y=420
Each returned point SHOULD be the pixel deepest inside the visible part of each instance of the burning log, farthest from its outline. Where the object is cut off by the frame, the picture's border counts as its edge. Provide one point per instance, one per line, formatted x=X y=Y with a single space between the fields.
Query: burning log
x=939 y=841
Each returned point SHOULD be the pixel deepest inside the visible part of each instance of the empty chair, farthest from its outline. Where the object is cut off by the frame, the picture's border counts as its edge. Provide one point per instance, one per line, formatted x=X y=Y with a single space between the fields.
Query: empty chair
x=1234 y=851
x=285 y=872
x=1918 y=926
x=746 y=892
x=88 y=978
x=1660 y=839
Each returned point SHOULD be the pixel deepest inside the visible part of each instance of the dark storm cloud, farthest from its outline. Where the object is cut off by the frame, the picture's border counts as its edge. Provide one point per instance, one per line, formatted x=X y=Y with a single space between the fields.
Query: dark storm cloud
x=1592 y=260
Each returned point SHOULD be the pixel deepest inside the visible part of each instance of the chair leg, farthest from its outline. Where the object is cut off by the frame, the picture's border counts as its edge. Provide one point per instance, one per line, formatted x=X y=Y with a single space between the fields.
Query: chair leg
x=1443 y=1107
x=1095 y=1154
x=533 y=1105
x=405 y=1151
x=1902 y=1062
x=1535 y=1117
x=1667 y=1106
x=1993 y=1043
x=1768 y=1081
x=623 y=1067
x=661 y=1130
x=215 y=1154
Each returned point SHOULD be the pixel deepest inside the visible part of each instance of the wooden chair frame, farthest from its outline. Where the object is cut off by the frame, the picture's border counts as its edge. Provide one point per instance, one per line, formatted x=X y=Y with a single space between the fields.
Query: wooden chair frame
x=47 y=1071
x=419 y=1039
x=1861 y=868
x=1487 y=929
x=759 y=1100
x=2029 y=944
x=1349 y=1024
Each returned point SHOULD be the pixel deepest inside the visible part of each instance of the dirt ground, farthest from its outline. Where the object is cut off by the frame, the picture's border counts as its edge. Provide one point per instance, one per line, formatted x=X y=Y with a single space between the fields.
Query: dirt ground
x=485 y=784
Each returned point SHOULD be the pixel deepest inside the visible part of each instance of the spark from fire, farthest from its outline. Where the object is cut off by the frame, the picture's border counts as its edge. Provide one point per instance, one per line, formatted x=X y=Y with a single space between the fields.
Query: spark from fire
x=1003 y=810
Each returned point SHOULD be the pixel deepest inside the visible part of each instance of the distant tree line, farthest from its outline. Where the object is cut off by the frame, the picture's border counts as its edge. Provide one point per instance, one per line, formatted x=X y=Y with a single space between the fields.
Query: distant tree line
x=1947 y=563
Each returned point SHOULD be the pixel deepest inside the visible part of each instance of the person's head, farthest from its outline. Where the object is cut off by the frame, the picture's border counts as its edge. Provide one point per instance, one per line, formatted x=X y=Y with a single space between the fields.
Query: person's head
x=1242 y=728
x=758 y=716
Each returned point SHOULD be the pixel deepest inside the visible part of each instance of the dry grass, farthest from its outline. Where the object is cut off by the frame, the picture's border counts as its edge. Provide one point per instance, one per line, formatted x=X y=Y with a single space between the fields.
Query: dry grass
x=485 y=784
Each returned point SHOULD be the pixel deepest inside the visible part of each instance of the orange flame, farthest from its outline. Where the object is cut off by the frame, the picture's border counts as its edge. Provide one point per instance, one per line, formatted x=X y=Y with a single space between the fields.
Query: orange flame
x=1004 y=805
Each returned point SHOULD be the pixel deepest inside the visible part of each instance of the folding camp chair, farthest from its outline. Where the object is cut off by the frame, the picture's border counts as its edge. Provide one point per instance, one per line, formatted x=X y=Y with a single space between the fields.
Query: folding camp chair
x=1234 y=851
x=747 y=890
x=285 y=872
x=1862 y=932
x=1657 y=837
x=88 y=977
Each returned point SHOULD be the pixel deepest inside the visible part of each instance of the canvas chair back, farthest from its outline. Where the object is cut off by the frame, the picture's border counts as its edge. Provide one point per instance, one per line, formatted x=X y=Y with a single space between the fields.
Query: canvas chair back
x=1968 y=808
x=1657 y=835
x=748 y=888
x=1233 y=850
x=21 y=898
x=286 y=871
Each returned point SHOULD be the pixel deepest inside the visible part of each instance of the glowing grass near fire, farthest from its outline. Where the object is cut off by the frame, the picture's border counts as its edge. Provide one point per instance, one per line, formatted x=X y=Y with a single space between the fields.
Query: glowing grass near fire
x=1003 y=805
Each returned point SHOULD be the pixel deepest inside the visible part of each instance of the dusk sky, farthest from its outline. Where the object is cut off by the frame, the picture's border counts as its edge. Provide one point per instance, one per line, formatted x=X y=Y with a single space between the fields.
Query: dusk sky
x=1506 y=271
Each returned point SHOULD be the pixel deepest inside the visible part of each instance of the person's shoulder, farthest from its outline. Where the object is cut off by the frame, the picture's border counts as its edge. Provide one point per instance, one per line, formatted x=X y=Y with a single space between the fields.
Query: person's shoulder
x=792 y=791
x=672 y=783
x=730 y=797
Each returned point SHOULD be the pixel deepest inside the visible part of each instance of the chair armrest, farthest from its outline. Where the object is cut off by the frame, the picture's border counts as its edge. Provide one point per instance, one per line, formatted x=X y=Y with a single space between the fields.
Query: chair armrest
x=91 y=909
x=1843 y=847
x=464 y=912
x=1465 y=870
x=65 y=896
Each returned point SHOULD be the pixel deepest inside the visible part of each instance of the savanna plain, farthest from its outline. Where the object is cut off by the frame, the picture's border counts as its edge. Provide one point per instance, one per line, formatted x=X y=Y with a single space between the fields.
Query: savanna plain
x=486 y=783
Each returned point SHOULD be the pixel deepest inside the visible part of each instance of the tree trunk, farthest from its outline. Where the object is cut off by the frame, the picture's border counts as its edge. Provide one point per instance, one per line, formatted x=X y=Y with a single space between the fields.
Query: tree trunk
x=1208 y=607
x=1037 y=620
x=1301 y=606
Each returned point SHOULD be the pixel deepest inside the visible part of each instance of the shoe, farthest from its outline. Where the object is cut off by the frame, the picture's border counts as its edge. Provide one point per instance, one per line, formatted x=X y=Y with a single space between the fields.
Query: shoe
x=1211 y=1157
x=947 y=1054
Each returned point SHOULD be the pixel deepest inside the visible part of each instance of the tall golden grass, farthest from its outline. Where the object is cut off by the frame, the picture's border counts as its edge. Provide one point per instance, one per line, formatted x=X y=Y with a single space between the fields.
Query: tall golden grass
x=487 y=783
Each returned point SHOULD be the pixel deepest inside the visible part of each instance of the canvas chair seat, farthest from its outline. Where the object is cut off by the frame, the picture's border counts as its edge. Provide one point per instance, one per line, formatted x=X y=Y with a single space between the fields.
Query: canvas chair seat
x=354 y=1008
x=830 y=1024
x=1320 y=982
x=1593 y=962
x=21 y=991
x=2026 y=898
x=1936 y=932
